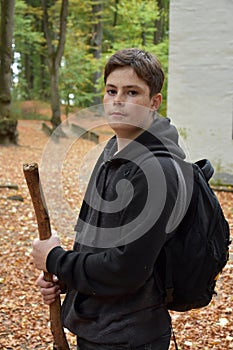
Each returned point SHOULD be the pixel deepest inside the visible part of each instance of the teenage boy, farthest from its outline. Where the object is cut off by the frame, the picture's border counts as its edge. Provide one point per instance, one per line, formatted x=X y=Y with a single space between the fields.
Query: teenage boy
x=115 y=299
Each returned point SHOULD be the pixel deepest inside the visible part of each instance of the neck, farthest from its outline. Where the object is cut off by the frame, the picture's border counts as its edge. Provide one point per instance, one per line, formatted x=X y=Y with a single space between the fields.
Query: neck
x=123 y=139
x=122 y=143
x=125 y=136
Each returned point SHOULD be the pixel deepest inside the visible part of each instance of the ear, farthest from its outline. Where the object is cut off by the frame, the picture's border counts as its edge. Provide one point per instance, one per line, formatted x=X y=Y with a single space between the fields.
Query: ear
x=156 y=101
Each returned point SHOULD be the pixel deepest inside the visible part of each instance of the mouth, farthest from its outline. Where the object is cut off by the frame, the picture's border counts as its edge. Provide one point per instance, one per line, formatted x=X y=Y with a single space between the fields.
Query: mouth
x=117 y=114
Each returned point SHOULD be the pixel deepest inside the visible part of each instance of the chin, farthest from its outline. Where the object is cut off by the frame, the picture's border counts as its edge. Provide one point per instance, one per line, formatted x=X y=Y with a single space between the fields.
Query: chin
x=124 y=130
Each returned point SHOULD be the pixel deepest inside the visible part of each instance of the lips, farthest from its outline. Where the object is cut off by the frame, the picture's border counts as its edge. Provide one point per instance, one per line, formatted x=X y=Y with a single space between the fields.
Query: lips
x=117 y=114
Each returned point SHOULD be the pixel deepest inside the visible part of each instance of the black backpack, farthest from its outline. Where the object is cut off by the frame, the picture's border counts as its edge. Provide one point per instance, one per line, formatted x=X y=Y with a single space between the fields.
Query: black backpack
x=196 y=253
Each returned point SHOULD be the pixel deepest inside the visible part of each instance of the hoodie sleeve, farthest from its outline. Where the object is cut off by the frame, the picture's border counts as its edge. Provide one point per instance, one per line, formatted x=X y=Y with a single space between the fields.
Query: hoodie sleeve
x=125 y=268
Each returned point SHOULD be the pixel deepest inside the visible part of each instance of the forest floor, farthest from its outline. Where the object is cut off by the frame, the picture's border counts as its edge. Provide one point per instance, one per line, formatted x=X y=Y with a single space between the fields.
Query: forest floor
x=23 y=317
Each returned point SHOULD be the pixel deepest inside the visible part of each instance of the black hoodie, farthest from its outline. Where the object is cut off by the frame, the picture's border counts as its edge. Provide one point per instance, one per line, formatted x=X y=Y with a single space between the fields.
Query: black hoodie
x=114 y=294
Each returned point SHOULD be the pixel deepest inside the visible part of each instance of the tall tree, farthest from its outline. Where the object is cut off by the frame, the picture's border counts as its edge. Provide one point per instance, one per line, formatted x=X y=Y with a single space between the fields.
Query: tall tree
x=55 y=53
x=34 y=55
x=115 y=13
x=162 y=21
x=8 y=126
x=97 y=37
x=30 y=50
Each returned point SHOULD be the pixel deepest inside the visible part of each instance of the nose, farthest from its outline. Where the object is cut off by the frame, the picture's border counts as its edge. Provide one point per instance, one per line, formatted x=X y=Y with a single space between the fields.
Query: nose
x=119 y=98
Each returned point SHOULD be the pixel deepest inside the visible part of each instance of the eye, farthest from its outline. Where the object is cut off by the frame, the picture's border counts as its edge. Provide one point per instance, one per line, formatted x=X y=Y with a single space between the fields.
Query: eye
x=111 y=92
x=132 y=93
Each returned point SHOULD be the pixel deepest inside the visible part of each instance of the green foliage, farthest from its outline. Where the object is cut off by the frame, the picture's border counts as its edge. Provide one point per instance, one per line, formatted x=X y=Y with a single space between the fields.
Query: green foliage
x=136 y=23
x=77 y=81
x=161 y=51
x=28 y=44
x=124 y=23
x=26 y=33
x=77 y=65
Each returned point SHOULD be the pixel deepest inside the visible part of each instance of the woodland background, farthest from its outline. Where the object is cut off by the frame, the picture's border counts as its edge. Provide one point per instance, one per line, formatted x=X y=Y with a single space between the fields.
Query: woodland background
x=59 y=48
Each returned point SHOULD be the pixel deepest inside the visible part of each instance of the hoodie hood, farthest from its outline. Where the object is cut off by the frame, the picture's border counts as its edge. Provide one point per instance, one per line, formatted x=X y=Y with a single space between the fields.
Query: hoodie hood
x=161 y=138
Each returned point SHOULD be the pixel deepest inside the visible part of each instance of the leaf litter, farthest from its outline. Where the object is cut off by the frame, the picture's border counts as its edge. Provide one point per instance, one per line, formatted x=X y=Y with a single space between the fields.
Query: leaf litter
x=24 y=321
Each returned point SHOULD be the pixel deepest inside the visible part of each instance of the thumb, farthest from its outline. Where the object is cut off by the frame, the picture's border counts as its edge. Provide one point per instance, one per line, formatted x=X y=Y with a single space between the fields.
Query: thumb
x=55 y=279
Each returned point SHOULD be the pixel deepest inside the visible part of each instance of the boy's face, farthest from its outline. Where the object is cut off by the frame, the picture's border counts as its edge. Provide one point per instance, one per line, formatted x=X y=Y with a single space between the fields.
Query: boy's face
x=127 y=102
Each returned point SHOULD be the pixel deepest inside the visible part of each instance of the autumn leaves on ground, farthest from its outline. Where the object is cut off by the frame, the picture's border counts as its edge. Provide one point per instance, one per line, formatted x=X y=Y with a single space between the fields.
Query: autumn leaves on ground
x=23 y=317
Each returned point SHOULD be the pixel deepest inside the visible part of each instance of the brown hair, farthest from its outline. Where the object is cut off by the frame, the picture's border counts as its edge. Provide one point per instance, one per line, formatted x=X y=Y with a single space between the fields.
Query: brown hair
x=146 y=66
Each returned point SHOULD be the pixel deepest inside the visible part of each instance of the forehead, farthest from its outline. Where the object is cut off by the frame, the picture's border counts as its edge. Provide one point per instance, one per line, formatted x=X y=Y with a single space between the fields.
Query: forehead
x=125 y=76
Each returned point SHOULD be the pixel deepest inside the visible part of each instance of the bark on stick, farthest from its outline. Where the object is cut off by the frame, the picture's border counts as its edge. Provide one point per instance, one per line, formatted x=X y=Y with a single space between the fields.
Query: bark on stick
x=31 y=174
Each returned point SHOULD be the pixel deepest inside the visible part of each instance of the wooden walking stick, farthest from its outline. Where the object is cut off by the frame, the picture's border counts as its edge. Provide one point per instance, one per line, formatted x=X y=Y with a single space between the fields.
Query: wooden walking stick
x=31 y=174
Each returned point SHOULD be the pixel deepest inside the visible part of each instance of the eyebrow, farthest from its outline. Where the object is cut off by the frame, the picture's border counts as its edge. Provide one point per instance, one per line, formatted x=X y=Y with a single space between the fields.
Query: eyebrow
x=125 y=86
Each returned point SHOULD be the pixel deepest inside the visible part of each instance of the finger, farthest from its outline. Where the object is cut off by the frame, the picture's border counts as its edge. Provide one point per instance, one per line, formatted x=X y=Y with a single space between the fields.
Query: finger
x=49 y=302
x=49 y=299
x=40 y=282
x=50 y=291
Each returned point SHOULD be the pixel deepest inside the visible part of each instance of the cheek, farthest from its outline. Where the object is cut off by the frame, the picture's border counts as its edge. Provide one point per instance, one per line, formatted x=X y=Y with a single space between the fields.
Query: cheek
x=107 y=104
x=105 y=98
x=144 y=101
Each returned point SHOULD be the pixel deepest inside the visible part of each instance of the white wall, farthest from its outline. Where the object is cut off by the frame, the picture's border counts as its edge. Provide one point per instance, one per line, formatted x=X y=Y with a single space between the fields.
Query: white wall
x=200 y=80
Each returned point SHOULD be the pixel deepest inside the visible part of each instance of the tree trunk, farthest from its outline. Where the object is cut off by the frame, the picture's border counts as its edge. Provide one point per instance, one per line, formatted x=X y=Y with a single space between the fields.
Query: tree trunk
x=97 y=9
x=29 y=77
x=43 y=94
x=44 y=82
x=158 y=34
x=161 y=23
x=55 y=95
x=143 y=36
x=115 y=15
x=8 y=127
x=54 y=58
